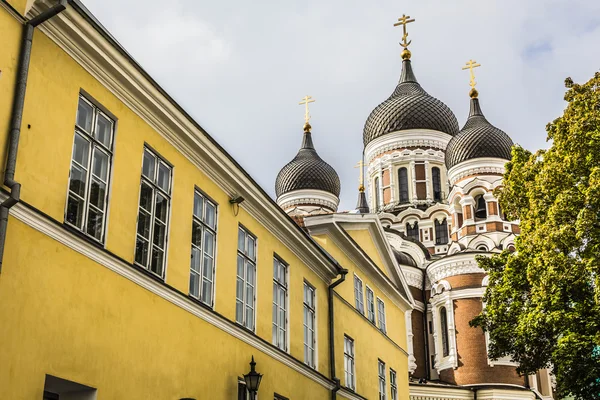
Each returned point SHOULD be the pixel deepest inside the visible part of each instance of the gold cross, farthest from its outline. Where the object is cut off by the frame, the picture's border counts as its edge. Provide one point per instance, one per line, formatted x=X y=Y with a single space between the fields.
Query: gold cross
x=361 y=179
x=472 y=64
x=305 y=101
x=405 y=20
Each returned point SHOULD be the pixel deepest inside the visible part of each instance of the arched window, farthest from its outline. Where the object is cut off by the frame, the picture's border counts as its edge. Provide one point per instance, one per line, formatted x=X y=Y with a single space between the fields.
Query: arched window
x=441 y=232
x=412 y=231
x=482 y=247
x=480 y=208
x=444 y=329
x=437 y=184
x=403 y=185
x=376 y=188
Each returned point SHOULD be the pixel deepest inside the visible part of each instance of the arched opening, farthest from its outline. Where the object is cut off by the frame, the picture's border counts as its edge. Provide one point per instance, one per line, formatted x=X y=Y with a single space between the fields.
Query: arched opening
x=437 y=184
x=413 y=231
x=482 y=247
x=403 y=185
x=444 y=329
x=441 y=232
x=480 y=208
x=458 y=211
x=376 y=194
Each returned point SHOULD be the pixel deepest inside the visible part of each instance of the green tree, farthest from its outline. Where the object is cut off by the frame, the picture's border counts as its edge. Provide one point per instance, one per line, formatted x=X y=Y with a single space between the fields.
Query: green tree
x=543 y=301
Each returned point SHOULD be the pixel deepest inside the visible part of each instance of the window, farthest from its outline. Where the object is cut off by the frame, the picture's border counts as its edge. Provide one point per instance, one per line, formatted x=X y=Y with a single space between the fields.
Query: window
x=376 y=188
x=202 y=270
x=358 y=294
x=349 y=363
x=437 y=184
x=403 y=185
x=381 y=314
x=246 y=279
x=309 y=325
x=279 y=304
x=242 y=392
x=90 y=170
x=393 y=385
x=370 y=305
x=444 y=329
x=412 y=231
x=153 y=214
x=480 y=207
x=381 y=369
x=58 y=388
x=441 y=232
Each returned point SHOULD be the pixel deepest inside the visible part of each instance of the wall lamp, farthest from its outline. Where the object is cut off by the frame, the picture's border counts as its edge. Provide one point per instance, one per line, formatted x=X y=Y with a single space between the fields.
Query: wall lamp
x=236 y=200
x=252 y=380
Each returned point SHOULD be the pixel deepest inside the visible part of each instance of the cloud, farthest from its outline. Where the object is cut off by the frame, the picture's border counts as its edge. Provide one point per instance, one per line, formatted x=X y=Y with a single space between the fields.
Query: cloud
x=240 y=67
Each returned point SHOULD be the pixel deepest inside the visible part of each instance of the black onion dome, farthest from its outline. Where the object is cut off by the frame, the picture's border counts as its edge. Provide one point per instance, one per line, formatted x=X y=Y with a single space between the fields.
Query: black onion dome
x=409 y=107
x=404 y=259
x=478 y=138
x=307 y=171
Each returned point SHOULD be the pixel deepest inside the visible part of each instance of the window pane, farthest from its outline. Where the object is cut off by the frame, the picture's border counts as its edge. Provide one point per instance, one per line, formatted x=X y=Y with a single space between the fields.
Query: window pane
x=251 y=248
x=78 y=179
x=239 y=289
x=157 y=261
x=249 y=318
x=97 y=192
x=241 y=240
x=209 y=243
x=94 y=223
x=100 y=165
x=196 y=257
x=196 y=234
x=240 y=266
x=239 y=311
x=75 y=211
x=144 y=221
x=159 y=234
x=141 y=251
x=81 y=149
x=85 y=113
x=198 y=205
x=250 y=273
x=164 y=177
x=162 y=207
x=210 y=215
x=103 y=130
x=146 y=197
x=194 y=284
x=148 y=165
x=207 y=271
x=207 y=292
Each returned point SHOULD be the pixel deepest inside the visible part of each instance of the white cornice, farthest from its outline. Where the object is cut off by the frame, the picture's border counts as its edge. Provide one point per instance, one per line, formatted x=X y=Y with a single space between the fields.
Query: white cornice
x=457 y=264
x=424 y=138
x=122 y=77
x=54 y=231
x=483 y=165
x=308 y=197
x=414 y=276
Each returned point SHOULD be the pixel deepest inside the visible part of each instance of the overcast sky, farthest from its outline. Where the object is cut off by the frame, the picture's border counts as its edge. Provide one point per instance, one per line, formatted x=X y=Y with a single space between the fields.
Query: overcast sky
x=241 y=67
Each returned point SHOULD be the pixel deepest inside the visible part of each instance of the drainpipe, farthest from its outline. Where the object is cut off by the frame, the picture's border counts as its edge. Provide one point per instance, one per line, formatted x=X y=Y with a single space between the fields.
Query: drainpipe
x=474 y=393
x=337 y=387
x=16 y=119
x=425 y=327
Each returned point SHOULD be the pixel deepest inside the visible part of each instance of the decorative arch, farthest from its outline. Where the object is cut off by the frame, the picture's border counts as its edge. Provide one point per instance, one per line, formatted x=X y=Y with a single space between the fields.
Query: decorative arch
x=485 y=281
x=440 y=287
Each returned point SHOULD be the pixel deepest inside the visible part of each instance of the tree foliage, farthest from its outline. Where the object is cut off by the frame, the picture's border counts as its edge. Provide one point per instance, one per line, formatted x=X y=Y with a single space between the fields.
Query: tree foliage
x=543 y=301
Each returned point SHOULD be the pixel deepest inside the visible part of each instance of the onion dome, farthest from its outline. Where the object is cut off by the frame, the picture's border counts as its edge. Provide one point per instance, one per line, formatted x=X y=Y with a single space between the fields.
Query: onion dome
x=404 y=259
x=409 y=107
x=477 y=139
x=307 y=171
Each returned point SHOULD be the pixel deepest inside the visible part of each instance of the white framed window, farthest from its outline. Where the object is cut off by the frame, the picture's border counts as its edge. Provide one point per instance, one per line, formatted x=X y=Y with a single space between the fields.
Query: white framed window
x=280 y=292
x=204 y=235
x=310 y=339
x=393 y=385
x=381 y=315
x=381 y=373
x=91 y=161
x=246 y=279
x=349 y=371
x=153 y=213
x=370 y=305
x=358 y=294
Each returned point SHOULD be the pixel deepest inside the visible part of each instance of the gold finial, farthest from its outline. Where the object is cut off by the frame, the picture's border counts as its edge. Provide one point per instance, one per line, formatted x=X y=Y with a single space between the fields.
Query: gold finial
x=305 y=101
x=405 y=20
x=361 y=179
x=470 y=65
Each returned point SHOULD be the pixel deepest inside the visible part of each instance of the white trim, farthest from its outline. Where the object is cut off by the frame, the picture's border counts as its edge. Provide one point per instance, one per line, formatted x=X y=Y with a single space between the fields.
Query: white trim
x=423 y=138
x=412 y=361
x=118 y=74
x=428 y=392
x=481 y=165
x=451 y=360
x=459 y=264
x=308 y=197
x=348 y=394
x=51 y=229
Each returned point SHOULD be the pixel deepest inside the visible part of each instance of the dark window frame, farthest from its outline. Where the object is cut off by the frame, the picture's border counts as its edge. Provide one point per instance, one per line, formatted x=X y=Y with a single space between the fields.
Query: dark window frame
x=441 y=232
x=444 y=332
x=403 y=196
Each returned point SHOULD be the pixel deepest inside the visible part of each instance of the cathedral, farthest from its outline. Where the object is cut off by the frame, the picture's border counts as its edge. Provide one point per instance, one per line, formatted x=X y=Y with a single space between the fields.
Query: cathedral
x=431 y=183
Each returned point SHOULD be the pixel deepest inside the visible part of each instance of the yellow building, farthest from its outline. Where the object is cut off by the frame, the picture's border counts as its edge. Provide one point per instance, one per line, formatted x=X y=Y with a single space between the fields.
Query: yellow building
x=140 y=261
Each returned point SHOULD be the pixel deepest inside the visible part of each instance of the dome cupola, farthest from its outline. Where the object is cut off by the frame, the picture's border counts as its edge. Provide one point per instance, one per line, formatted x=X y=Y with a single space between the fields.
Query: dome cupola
x=409 y=107
x=307 y=184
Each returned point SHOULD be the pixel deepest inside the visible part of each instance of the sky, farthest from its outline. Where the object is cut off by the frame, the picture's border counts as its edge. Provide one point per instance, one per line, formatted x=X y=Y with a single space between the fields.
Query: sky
x=240 y=68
